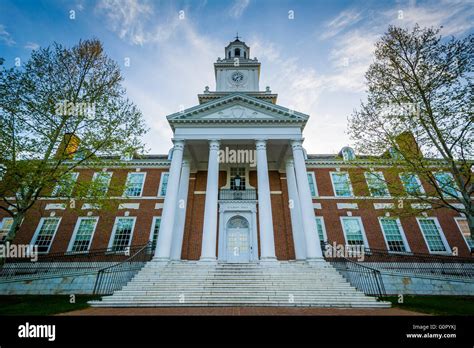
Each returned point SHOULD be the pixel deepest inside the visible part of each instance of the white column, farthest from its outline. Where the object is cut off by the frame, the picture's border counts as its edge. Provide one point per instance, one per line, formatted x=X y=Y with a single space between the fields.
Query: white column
x=209 y=230
x=313 y=246
x=165 y=234
x=267 y=244
x=295 y=211
x=180 y=221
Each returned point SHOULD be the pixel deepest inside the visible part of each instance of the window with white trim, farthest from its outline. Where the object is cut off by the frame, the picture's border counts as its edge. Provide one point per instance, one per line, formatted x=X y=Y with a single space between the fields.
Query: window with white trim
x=341 y=184
x=163 y=184
x=45 y=233
x=377 y=184
x=412 y=184
x=155 y=229
x=101 y=182
x=312 y=184
x=5 y=228
x=354 y=231
x=321 y=229
x=465 y=231
x=122 y=233
x=65 y=185
x=82 y=236
x=393 y=233
x=446 y=184
x=134 y=185
x=433 y=235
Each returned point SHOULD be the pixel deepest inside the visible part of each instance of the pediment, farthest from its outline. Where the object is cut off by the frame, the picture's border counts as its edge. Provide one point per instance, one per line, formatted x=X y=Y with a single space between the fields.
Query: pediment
x=237 y=107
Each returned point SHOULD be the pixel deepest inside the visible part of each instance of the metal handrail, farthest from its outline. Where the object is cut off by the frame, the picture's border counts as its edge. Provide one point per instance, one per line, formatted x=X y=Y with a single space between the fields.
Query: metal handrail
x=362 y=277
x=247 y=194
x=114 y=277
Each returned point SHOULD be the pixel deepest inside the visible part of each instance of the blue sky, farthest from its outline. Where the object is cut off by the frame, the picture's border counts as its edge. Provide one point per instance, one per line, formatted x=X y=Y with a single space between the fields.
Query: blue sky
x=315 y=61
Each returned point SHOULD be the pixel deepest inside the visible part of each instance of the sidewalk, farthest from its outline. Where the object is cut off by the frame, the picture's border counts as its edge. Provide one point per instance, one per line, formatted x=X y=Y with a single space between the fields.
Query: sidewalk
x=231 y=311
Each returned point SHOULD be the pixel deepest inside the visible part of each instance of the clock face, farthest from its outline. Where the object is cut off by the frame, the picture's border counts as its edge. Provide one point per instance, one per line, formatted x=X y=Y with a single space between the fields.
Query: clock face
x=237 y=77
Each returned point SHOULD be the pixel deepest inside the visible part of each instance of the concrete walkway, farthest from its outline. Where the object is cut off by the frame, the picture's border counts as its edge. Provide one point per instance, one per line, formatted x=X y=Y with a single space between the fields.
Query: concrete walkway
x=231 y=311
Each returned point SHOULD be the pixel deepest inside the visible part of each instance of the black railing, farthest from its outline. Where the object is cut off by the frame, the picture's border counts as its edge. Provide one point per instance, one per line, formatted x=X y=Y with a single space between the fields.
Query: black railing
x=112 y=278
x=64 y=263
x=420 y=264
x=248 y=194
x=363 y=278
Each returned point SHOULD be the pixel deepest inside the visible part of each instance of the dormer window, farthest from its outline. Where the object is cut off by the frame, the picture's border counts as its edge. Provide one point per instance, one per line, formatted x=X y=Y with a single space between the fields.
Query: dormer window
x=348 y=154
x=237 y=52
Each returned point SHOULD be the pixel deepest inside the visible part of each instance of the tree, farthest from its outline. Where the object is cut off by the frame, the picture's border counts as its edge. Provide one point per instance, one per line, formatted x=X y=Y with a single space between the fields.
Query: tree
x=419 y=107
x=66 y=108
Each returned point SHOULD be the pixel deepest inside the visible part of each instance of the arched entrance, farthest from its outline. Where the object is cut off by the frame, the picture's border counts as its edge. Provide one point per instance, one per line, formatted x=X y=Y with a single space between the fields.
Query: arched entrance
x=238 y=240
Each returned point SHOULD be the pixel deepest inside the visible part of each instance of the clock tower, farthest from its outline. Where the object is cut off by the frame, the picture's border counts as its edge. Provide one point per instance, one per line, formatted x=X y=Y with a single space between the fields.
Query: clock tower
x=237 y=71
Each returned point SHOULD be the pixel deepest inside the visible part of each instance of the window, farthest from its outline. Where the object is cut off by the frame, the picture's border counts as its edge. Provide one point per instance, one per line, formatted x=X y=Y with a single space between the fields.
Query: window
x=237 y=52
x=155 y=228
x=446 y=184
x=134 y=184
x=412 y=184
x=341 y=184
x=163 y=184
x=101 y=182
x=312 y=184
x=321 y=229
x=433 y=235
x=122 y=233
x=393 y=233
x=65 y=185
x=82 y=235
x=376 y=183
x=45 y=232
x=5 y=228
x=354 y=231
x=466 y=233
x=348 y=154
x=240 y=172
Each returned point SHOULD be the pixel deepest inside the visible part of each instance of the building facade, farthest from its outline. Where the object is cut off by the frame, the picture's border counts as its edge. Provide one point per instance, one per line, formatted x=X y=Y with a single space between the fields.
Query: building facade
x=238 y=187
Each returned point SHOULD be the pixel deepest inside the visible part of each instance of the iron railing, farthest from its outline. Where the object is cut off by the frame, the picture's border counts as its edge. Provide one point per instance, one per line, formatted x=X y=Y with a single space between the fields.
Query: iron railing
x=248 y=194
x=363 y=278
x=420 y=264
x=112 y=278
x=64 y=263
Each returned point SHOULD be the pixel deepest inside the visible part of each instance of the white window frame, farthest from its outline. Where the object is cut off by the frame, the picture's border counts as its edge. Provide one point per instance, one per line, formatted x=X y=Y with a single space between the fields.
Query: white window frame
x=323 y=225
x=402 y=233
x=153 y=224
x=441 y=233
x=422 y=189
x=364 y=237
x=57 y=188
x=161 y=184
x=458 y=218
x=316 y=192
x=38 y=229
x=114 y=230
x=96 y=174
x=76 y=229
x=334 y=187
x=127 y=181
x=380 y=175
x=456 y=188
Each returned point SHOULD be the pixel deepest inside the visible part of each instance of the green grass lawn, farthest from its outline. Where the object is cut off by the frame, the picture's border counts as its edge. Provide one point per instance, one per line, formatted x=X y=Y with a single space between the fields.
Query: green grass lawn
x=42 y=304
x=437 y=305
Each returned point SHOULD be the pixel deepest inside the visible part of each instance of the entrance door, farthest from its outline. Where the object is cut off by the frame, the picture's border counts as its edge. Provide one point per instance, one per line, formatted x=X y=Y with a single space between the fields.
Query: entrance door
x=237 y=237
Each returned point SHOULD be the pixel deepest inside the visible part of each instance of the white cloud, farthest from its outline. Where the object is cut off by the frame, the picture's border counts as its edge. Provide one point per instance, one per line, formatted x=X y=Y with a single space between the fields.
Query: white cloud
x=238 y=8
x=31 y=45
x=5 y=36
x=344 y=20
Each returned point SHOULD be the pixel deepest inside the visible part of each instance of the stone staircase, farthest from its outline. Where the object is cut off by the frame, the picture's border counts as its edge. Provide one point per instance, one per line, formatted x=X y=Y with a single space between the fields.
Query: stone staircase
x=191 y=283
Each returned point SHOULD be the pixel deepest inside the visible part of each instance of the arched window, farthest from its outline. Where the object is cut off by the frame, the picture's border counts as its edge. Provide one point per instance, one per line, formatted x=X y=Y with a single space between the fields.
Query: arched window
x=229 y=54
x=348 y=154
x=238 y=222
x=245 y=54
x=237 y=52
